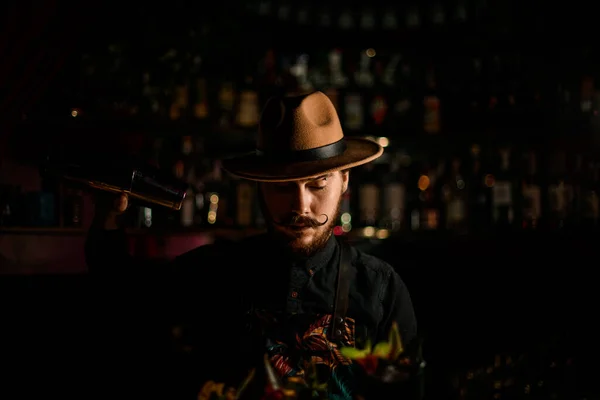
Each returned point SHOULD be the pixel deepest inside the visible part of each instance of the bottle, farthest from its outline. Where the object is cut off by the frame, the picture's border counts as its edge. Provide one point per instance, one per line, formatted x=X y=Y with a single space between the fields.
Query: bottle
x=455 y=198
x=431 y=104
x=217 y=192
x=479 y=193
x=244 y=203
x=394 y=195
x=590 y=203
x=425 y=214
x=248 y=107
x=369 y=192
x=502 y=191
x=531 y=193
x=557 y=196
x=72 y=208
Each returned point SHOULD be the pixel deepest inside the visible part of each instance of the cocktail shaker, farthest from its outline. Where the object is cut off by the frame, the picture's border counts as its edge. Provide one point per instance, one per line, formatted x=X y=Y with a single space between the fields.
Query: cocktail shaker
x=144 y=184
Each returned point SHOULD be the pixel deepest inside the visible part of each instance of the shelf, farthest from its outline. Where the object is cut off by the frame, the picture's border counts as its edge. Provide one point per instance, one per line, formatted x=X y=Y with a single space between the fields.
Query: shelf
x=223 y=233
x=42 y=231
x=230 y=233
x=479 y=34
x=135 y=135
x=373 y=235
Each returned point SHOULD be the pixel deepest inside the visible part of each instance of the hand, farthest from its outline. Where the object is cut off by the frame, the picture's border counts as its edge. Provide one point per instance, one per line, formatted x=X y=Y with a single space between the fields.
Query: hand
x=108 y=210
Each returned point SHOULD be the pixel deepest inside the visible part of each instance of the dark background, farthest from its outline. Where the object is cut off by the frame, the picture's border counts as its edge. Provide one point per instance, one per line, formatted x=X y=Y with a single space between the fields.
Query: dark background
x=474 y=297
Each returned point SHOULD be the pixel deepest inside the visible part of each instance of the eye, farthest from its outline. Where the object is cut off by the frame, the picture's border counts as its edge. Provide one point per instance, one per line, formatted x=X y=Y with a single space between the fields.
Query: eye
x=319 y=184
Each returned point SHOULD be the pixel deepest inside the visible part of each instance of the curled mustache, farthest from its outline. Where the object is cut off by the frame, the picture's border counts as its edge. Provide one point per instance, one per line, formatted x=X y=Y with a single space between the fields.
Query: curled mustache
x=297 y=219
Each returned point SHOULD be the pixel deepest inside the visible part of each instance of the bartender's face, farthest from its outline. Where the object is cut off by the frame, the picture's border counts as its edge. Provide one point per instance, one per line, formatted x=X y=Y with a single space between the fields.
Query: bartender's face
x=303 y=213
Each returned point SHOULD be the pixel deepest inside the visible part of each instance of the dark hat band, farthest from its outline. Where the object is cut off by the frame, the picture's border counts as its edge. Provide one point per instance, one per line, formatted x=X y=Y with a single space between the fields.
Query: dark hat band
x=319 y=153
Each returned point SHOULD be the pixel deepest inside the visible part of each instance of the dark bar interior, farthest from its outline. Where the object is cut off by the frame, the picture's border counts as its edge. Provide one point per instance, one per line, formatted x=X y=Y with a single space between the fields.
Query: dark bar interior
x=485 y=201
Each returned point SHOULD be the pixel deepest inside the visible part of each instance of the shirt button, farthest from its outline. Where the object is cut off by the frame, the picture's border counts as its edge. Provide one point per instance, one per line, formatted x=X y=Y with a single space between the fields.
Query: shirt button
x=294 y=294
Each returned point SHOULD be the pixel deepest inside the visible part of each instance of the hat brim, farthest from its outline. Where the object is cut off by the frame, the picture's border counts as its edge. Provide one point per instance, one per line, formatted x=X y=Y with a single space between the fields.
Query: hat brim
x=259 y=168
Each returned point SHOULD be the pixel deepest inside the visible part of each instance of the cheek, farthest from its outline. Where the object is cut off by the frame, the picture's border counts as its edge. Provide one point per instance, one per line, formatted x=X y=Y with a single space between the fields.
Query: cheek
x=275 y=202
x=325 y=203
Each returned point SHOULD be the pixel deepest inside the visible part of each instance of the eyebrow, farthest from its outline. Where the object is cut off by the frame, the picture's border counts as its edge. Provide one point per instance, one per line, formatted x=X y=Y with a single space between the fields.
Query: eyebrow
x=318 y=178
x=321 y=177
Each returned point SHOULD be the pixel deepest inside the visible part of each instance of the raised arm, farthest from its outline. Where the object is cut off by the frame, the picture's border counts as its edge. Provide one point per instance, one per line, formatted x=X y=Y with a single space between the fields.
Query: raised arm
x=106 y=244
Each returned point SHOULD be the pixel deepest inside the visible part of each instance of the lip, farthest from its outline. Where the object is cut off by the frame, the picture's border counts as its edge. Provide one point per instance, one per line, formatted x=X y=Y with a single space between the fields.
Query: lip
x=298 y=227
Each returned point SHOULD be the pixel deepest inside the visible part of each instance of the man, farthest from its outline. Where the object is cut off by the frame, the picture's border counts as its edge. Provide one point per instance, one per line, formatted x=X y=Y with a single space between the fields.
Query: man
x=295 y=293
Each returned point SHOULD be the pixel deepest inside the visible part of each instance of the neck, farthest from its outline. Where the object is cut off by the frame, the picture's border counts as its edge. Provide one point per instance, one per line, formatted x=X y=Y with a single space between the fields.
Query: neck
x=283 y=247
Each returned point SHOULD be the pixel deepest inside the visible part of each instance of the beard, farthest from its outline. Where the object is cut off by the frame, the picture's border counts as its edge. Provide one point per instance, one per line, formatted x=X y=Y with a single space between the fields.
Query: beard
x=293 y=242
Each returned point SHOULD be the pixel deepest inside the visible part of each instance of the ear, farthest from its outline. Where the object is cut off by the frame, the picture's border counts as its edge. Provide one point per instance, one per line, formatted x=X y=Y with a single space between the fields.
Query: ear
x=345 y=180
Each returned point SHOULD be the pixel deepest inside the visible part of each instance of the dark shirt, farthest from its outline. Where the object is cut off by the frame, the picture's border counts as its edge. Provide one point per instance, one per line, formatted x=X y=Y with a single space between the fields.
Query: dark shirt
x=252 y=298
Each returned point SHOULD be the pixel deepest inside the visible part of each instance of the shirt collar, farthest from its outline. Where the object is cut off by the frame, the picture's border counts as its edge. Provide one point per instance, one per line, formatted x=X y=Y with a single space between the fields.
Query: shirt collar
x=313 y=263
x=321 y=258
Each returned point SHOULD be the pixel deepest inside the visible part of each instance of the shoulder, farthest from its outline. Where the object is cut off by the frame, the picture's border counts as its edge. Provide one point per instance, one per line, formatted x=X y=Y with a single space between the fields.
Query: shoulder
x=371 y=264
x=222 y=251
x=378 y=272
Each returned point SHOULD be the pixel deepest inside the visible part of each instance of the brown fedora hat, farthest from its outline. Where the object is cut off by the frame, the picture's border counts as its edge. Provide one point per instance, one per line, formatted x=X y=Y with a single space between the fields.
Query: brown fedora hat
x=300 y=137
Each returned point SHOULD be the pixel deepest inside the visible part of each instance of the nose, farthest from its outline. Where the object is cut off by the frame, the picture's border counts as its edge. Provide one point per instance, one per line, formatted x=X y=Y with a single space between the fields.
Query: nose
x=300 y=200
